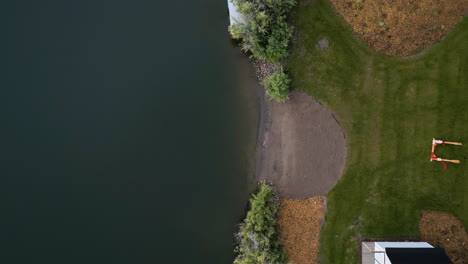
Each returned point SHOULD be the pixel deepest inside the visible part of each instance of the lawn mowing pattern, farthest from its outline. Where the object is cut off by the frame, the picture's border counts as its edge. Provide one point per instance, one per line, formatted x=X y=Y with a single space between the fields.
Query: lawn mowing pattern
x=390 y=108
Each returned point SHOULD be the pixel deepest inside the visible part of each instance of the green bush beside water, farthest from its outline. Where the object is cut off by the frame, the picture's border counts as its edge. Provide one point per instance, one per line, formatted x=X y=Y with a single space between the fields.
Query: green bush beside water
x=264 y=30
x=277 y=86
x=258 y=239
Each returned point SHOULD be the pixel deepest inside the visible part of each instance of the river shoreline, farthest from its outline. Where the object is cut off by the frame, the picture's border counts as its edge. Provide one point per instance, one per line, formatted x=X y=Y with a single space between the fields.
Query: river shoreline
x=261 y=71
x=300 y=148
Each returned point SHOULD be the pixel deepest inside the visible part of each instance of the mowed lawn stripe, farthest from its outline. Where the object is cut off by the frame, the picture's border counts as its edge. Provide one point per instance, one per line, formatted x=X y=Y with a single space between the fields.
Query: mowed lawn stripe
x=390 y=109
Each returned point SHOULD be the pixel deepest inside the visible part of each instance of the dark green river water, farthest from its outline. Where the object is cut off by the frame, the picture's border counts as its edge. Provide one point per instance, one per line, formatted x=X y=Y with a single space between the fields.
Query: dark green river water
x=128 y=132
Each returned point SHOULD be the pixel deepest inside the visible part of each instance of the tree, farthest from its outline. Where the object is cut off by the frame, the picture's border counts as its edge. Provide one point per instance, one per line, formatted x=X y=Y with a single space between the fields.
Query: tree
x=258 y=239
x=264 y=31
x=277 y=85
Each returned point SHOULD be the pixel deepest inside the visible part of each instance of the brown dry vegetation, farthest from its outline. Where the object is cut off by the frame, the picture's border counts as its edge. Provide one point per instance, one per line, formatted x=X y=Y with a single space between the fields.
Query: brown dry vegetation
x=299 y=225
x=445 y=230
x=401 y=27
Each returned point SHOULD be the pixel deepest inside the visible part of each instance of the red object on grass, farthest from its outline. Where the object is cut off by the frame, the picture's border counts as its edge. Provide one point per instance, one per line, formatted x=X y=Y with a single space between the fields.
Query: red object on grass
x=434 y=157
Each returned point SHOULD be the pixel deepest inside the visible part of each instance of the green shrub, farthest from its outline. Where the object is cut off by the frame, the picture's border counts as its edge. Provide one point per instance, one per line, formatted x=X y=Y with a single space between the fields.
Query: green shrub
x=258 y=240
x=264 y=31
x=277 y=85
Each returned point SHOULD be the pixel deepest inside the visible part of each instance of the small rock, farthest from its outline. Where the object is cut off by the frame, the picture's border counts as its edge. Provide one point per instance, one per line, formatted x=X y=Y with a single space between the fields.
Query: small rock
x=322 y=44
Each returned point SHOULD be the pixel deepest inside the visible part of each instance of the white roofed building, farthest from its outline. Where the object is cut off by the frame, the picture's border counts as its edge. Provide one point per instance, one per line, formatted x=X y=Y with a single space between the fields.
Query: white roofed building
x=402 y=253
x=234 y=15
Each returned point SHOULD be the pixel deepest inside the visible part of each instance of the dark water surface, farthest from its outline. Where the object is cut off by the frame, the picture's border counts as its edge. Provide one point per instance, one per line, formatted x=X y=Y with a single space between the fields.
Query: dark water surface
x=128 y=129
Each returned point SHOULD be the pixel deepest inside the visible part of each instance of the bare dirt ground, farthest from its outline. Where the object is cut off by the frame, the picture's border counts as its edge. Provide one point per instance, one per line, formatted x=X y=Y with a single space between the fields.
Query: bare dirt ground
x=401 y=27
x=299 y=226
x=445 y=230
x=302 y=148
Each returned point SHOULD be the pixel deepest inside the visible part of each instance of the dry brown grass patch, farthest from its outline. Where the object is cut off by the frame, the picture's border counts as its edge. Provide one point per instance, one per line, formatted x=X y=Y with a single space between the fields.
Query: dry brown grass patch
x=299 y=225
x=401 y=27
x=445 y=230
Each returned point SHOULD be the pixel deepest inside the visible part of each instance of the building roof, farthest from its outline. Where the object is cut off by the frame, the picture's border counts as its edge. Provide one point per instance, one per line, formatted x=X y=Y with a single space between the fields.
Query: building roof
x=234 y=15
x=417 y=256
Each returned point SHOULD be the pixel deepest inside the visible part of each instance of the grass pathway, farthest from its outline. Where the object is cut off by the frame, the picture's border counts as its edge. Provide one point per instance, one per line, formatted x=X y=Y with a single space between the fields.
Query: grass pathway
x=390 y=109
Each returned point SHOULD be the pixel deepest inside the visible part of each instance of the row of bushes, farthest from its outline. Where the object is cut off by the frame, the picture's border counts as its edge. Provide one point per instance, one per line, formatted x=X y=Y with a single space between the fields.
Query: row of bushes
x=258 y=238
x=265 y=32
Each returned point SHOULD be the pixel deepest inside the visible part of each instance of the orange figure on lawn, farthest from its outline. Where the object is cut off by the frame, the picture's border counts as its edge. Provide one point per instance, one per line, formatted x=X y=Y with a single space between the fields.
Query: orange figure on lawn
x=436 y=142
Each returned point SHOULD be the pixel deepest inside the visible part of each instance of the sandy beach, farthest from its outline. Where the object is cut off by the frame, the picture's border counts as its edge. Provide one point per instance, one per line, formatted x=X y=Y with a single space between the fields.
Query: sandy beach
x=301 y=147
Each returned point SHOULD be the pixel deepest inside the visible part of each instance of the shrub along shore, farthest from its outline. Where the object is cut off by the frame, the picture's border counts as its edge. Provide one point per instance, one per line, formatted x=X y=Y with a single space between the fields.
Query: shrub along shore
x=258 y=237
x=265 y=33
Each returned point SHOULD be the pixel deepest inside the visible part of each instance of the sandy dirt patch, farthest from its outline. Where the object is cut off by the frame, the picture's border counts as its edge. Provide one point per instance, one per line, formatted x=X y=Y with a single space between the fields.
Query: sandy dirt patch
x=299 y=226
x=302 y=148
x=401 y=27
x=445 y=230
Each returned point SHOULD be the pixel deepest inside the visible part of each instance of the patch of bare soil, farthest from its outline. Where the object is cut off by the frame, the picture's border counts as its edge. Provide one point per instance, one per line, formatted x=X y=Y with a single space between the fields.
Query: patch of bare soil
x=401 y=27
x=445 y=230
x=302 y=149
x=299 y=225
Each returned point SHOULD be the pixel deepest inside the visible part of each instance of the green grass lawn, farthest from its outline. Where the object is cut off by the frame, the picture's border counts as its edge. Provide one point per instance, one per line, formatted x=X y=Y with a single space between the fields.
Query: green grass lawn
x=390 y=108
